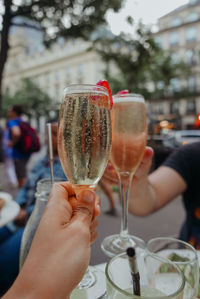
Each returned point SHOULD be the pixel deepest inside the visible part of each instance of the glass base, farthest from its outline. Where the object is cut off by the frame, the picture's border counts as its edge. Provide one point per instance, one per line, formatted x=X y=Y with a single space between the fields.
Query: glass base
x=115 y=244
x=95 y=289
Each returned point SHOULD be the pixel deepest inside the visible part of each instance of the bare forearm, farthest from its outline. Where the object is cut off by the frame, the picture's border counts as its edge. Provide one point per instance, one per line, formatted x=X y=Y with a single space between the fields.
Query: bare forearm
x=153 y=192
x=25 y=288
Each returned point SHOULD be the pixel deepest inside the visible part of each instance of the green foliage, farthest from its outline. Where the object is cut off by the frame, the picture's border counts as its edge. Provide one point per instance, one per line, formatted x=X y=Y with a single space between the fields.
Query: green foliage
x=55 y=18
x=34 y=100
x=75 y=18
x=139 y=61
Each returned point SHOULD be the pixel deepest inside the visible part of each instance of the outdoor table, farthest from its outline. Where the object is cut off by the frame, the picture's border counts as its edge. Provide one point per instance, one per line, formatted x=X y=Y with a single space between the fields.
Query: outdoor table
x=9 y=210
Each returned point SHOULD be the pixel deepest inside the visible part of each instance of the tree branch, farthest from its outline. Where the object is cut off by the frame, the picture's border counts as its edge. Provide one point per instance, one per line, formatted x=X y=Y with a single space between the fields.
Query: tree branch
x=24 y=24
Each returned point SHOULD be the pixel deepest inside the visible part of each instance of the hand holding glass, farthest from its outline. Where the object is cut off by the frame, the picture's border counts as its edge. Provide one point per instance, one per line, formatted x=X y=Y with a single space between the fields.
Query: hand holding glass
x=84 y=143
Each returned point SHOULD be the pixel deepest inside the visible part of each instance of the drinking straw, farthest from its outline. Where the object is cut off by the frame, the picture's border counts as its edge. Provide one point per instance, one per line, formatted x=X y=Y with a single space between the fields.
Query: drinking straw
x=50 y=148
x=134 y=270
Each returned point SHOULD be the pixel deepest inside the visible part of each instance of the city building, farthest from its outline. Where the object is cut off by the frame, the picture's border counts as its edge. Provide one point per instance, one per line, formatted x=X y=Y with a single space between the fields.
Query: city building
x=179 y=33
x=66 y=61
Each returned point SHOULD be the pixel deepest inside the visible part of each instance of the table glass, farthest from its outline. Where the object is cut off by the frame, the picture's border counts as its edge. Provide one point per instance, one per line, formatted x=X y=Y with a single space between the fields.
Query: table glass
x=154 y=283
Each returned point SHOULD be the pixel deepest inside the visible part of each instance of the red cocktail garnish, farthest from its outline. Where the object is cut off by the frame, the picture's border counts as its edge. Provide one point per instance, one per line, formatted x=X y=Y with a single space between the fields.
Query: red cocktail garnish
x=105 y=84
x=125 y=91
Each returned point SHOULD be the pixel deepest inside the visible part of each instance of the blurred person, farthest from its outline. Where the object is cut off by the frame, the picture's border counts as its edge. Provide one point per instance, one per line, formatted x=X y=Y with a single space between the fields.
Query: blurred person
x=55 y=265
x=11 y=234
x=178 y=175
x=8 y=159
x=20 y=159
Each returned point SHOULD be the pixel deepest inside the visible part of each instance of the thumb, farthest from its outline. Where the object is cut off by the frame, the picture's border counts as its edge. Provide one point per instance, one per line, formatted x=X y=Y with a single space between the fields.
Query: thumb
x=145 y=165
x=85 y=207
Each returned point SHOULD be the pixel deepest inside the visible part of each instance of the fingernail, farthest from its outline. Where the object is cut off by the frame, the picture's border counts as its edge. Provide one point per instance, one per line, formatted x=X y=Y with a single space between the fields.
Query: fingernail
x=98 y=209
x=88 y=196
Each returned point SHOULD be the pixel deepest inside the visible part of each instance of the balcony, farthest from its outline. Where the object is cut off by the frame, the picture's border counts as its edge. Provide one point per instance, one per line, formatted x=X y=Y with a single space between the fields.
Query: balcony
x=169 y=94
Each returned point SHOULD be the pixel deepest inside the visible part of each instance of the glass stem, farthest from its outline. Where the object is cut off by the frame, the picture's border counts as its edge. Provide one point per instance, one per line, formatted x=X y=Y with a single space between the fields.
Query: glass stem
x=125 y=180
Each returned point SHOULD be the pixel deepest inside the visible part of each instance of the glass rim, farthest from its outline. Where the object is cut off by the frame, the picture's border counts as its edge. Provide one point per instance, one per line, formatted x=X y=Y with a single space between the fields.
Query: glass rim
x=131 y=97
x=56 y=179
x=75 y=87
x=194 y=259
x=123 y=292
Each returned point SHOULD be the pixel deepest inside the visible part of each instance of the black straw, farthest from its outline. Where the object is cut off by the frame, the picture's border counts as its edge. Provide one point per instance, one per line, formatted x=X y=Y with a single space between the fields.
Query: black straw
x=134 y=270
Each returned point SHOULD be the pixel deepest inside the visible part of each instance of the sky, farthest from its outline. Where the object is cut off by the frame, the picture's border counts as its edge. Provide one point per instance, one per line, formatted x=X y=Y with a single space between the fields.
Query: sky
x=148 y=11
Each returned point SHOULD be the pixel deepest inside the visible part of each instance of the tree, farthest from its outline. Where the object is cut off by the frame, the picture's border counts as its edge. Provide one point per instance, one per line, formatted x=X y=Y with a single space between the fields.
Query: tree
x=75 y=18
x=140 y=62
x=34 y=100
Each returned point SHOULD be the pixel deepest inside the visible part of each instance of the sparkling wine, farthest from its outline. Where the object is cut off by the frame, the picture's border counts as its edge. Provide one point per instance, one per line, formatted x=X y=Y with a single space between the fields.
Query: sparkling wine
x=129 y=133
x=84 y=136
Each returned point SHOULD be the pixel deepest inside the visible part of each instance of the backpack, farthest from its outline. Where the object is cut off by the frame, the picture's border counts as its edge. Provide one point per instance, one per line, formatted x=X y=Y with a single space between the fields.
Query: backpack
x=29 y=141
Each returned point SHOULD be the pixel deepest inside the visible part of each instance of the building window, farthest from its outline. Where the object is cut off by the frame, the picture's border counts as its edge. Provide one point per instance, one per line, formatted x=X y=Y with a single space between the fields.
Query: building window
x=191 y=34
x=174 y=108
x=191 y=107
x=174 y=58
x=68 y=76
x=175 y=84
x=57 y=76
x=192 y=83
x=190 y=57
x=176 y=22
x=158 y=41
x=80 y=69
x=174 y=39
x=192 y=17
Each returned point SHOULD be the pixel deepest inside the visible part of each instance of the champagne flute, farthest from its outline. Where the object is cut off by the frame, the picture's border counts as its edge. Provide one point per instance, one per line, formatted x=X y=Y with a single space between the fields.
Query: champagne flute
x=183 y=255
x=129 y=135
x=84 y=144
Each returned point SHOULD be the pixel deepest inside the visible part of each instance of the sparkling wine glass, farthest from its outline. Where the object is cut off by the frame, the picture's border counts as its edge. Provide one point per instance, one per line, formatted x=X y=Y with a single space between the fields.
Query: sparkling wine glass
x=84 y=144
x=183 y=255
x=129 y=135
x=154 y=284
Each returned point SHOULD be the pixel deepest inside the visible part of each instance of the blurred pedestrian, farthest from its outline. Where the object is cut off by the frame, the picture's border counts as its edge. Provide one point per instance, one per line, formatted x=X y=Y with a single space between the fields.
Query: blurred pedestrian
x=8 y=159
x=20 y=159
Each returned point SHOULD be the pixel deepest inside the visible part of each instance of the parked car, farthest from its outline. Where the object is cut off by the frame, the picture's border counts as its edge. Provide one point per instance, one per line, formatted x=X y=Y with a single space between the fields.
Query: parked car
x=178 y=138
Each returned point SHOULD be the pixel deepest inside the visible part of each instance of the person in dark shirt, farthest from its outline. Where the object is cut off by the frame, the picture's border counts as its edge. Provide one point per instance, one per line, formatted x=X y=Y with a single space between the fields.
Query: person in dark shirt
x=178 y=175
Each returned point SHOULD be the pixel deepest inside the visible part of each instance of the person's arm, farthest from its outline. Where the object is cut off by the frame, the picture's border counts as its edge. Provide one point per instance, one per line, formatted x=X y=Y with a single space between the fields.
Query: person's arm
x=60 y=251
x=151 y=192
x=15 y=135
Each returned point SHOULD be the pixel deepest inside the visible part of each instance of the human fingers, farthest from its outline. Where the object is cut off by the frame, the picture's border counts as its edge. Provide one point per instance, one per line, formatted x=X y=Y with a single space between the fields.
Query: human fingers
x=94 y=225
x=58 y=207
x=68 y=187
x=84 y=209
x=97 y=208
x=93 y=237
x=74 y=203
x=145 y=164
